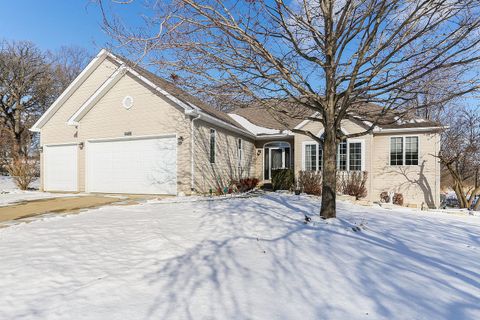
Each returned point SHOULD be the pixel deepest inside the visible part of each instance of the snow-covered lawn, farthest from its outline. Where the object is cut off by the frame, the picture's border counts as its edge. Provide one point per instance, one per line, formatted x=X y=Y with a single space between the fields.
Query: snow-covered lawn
x=241 y=259
x=9 y=193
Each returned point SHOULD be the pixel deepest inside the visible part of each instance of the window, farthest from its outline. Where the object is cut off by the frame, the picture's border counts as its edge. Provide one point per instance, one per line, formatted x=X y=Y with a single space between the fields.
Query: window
x=396 y=151
x=404 y=151
x=213 y=134
x=355 y=156
x=311 y=157
x=239 y=152
x=349 y=156
x=411 y=151
x=342 y=156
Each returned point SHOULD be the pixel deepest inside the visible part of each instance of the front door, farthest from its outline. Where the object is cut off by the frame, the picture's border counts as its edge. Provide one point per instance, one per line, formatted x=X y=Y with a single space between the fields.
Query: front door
x=275 y=158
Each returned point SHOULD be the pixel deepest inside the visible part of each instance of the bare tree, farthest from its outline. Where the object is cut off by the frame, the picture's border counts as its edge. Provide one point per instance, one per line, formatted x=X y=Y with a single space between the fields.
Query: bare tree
x=66 y=63
x=460 y=154
x=25 y=90
x=30 y=80
x=330 y=57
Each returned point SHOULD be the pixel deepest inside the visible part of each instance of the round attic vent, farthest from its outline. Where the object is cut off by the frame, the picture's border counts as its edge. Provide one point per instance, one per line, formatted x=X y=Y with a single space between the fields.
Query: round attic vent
x=127 y=102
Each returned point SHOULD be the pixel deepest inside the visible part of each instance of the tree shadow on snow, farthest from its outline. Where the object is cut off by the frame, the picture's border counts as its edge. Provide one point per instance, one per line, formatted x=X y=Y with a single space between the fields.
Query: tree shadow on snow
x=266 y=255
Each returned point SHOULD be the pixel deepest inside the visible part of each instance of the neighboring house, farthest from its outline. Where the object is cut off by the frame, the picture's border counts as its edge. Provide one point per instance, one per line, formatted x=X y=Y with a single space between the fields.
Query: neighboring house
x=119 y=128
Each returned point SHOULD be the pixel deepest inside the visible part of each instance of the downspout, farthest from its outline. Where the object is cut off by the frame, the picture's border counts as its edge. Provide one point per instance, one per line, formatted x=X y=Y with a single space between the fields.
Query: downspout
x=194 y=116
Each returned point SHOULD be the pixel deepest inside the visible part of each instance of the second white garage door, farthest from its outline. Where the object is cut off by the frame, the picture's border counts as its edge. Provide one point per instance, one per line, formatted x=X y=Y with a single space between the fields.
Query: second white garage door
x=137 y=166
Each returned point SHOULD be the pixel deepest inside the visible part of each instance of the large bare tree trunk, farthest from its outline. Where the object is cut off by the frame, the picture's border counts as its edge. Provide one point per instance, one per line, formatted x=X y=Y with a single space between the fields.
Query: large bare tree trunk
x=17 y=132
x=328 y=209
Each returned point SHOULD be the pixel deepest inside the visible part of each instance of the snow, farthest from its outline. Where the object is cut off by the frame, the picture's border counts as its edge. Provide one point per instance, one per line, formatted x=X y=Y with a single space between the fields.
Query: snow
x=241 y=258
x=253 y=128
x=9 y=193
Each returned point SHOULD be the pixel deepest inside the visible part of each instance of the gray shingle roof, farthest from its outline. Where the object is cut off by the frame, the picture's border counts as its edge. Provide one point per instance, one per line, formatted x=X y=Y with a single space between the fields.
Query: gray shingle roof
x=272 y=115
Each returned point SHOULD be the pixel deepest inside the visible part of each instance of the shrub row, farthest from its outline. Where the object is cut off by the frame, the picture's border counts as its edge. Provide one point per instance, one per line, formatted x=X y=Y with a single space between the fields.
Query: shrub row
x=351 y=183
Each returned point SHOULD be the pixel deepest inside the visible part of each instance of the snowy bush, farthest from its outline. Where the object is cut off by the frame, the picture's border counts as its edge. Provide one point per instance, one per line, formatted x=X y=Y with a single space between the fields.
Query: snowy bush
x=310 y=182
x=352 y=183
x=246 y=184
x=23 y=171
x=398 y=199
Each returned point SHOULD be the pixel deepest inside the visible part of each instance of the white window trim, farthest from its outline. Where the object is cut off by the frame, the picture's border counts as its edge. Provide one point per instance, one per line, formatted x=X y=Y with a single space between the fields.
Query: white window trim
x=311 y=142
x=214 y=146
x=403 y=150
x=362 y=142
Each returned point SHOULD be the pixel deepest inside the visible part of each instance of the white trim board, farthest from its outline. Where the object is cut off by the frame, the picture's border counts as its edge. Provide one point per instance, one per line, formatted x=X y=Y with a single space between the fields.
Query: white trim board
x=79 y=80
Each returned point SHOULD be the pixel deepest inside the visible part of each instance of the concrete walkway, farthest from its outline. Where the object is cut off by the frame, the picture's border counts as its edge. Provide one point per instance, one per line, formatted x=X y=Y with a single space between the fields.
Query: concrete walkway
x=34 y=208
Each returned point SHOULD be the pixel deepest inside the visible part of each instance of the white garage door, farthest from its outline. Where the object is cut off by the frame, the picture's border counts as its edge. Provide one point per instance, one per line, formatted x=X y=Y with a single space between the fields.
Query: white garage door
x=60 y=168
x=141 y=166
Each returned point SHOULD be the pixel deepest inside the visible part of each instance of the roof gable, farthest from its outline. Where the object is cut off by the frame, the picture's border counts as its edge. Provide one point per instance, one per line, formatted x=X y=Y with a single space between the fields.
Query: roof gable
x=77 y=82
x=165 y=88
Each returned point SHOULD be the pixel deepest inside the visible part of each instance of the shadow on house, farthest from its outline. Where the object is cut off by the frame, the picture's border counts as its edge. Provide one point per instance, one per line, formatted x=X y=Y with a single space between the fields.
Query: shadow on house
x=412 y=183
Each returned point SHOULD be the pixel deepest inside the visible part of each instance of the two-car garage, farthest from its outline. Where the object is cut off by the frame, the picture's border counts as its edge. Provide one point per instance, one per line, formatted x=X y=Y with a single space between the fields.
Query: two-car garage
x=131 y=165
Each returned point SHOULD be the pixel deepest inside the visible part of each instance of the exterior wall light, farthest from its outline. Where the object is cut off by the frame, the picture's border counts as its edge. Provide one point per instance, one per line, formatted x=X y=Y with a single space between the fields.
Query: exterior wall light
x=80 y=145
x=180 y=140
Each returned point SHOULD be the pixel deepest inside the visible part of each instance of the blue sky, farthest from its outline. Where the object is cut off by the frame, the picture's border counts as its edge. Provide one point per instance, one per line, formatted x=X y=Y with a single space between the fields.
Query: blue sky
x=53 y=23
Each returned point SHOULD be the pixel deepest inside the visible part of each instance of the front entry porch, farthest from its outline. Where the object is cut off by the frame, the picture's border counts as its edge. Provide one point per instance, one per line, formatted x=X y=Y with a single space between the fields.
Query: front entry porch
x=276 y=155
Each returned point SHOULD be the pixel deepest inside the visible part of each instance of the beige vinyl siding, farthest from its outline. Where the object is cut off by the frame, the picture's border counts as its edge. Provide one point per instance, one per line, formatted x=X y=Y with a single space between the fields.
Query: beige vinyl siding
x=420 y=183
x=150 y=115
x=56 y=130
x=225 y=169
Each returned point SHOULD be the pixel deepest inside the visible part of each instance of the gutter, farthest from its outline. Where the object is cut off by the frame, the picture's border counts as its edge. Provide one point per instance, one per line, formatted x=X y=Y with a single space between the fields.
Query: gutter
x=274 y=136
x=412 y=129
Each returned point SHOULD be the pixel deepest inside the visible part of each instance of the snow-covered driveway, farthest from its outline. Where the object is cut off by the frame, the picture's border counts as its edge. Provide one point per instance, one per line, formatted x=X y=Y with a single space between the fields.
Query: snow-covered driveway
x=241 y=259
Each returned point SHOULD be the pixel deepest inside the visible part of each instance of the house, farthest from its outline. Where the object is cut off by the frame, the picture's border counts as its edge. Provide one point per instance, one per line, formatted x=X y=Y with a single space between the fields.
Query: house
x=119 y=128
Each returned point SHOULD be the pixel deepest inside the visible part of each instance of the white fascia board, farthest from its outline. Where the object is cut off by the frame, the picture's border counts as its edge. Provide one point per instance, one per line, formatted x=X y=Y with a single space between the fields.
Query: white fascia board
x=104 y=88
x=215 y=121
x=70 y=90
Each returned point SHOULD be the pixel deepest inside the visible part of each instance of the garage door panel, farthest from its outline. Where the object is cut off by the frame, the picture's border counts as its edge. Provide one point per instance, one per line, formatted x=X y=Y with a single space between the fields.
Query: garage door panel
x=60 y=168
x=143 y=166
